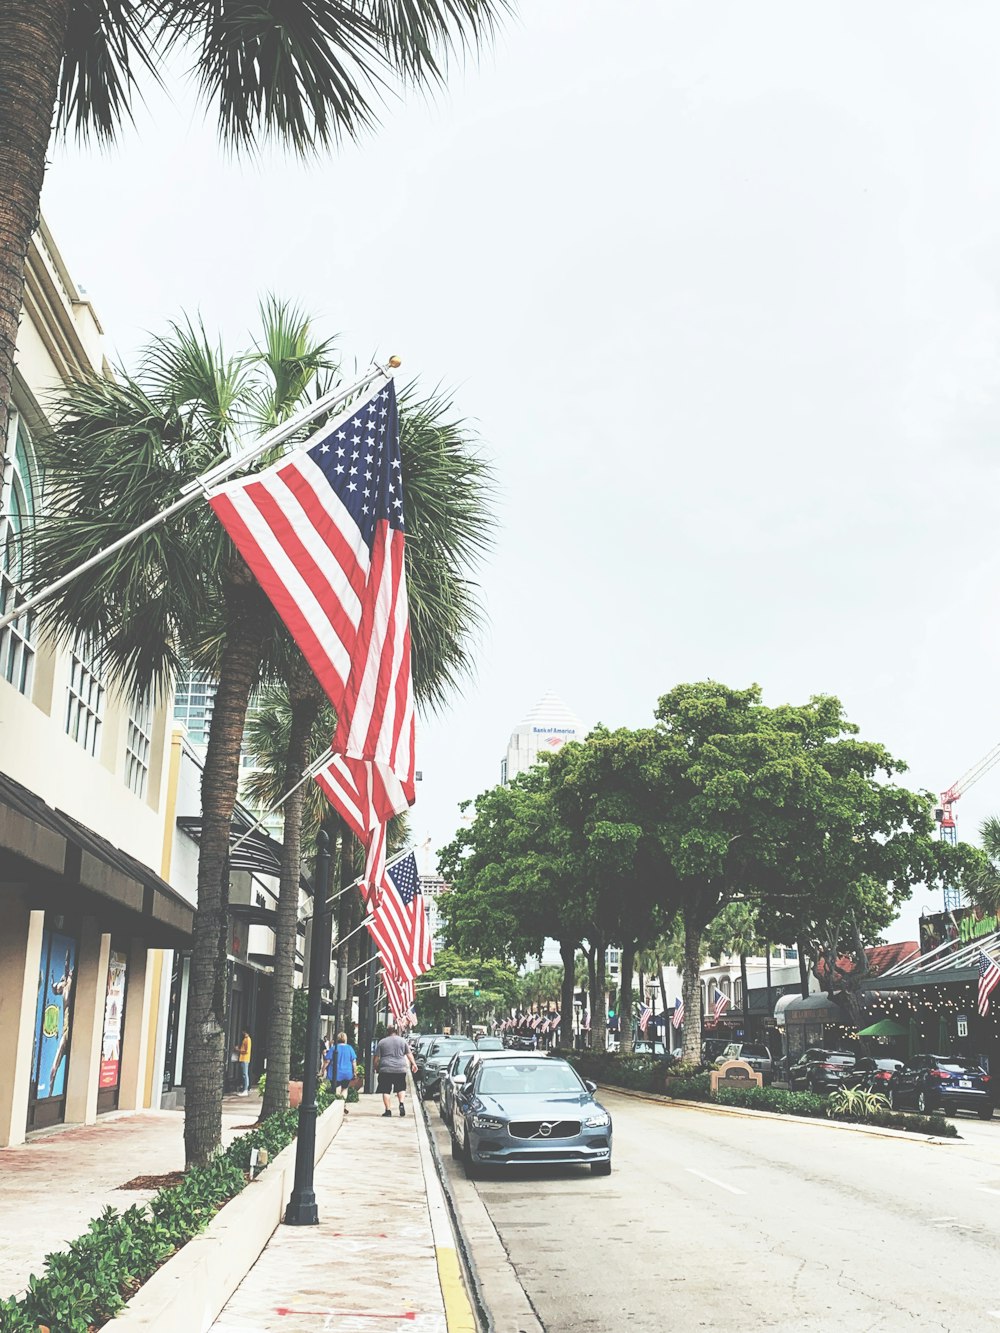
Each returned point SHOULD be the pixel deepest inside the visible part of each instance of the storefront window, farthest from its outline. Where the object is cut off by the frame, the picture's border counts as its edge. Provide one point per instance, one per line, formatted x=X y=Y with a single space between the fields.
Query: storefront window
x=53 y=1023
x=17 y=507
x=85 y=695
x=111 y=1042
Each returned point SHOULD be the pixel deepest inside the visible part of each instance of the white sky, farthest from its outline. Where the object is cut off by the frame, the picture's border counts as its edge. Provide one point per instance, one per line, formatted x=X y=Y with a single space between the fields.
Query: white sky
x=719 y=284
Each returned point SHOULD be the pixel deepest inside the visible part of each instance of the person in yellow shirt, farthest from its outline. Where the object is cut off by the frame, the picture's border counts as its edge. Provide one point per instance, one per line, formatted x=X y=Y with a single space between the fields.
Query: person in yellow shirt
x=246 y=1046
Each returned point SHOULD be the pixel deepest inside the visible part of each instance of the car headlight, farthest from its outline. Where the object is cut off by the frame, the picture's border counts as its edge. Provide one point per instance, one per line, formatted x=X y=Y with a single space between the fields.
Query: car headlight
x=486 y=1122
x=596 y=1120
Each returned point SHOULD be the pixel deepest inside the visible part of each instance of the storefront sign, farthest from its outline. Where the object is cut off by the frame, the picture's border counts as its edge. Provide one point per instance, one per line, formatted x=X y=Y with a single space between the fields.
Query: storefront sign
x=962 y=1025
x=957 y=928
x=53 y=1016
x=114 y=1006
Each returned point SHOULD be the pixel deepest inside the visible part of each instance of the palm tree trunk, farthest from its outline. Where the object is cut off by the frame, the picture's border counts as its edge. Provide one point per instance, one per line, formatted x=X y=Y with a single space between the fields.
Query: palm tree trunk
x=599 y=1012
x=205 y=1048
x=593 y=995
x=305 y=701
x=32 y=40
x=692 y=989
x=567 y=951
x=625 y=998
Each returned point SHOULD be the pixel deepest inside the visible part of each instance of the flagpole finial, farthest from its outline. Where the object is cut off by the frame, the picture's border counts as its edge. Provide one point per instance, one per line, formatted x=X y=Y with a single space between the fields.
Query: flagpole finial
x=395 y=362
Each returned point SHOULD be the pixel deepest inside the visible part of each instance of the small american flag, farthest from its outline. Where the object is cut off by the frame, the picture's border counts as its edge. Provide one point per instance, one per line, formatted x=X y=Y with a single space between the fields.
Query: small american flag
x=397 y=922
x=322 y=531
x=989 y=976
x=677 y=1018
x=720 y=1006
x=399 y=993
x=645 y=1014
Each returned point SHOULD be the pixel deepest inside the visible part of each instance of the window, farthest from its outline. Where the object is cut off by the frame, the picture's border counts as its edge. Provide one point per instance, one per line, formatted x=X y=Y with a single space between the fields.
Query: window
x=17 y=641
x=85 y=696
x=726 y=987
x=193 y=703
x=137 y=744
x=738 y=994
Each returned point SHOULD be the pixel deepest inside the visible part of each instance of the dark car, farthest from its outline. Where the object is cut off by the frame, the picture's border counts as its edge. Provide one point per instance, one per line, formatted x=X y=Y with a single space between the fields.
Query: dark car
x=712 y=1048
x=422 y=1046
x=756 y=1056
x=436 y=1061
x=821 y=1070
x=872 y=1074
x=529 y=1109
x=942 y=1083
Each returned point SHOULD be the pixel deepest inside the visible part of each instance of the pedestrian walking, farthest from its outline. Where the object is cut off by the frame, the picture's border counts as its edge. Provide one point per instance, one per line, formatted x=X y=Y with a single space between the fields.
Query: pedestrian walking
x=343 y=1066
x=392 y=1059
x=246 y=1046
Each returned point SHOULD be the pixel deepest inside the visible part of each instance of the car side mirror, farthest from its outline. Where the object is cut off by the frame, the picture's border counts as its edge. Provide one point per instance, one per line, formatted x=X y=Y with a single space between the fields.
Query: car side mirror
x=458 y=1080
x=591 y=1087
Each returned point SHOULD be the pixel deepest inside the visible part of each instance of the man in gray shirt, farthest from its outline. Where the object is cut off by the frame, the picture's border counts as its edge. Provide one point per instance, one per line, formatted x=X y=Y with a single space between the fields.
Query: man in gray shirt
x=393 y=1058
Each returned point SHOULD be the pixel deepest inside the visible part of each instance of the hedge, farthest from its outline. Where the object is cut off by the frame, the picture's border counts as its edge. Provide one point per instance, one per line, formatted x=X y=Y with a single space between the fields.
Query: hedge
x=81 y=1288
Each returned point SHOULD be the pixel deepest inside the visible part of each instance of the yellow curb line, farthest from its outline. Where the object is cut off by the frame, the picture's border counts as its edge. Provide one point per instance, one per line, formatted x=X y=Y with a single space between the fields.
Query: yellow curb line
x=457 y=1310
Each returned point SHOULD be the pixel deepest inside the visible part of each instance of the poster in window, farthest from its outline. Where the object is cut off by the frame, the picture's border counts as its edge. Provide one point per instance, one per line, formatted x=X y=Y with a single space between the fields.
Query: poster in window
x=114 y=1004
x=54 y=1014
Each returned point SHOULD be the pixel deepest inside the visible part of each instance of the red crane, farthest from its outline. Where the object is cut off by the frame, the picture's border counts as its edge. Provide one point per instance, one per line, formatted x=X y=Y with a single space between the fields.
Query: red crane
x=945 y=814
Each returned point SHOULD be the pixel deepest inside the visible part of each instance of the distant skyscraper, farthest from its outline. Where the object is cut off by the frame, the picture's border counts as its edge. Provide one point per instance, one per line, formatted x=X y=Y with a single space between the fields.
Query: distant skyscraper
x=546 y=729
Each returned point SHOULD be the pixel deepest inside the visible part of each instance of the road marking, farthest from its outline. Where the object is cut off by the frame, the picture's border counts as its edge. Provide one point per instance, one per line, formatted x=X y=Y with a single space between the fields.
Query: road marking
x=985 y=1189
x=936 y=1220
x=721 y=1184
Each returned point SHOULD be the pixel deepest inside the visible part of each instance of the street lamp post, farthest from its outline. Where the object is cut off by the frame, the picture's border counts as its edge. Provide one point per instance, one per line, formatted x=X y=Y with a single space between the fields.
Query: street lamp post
x=302 y=1210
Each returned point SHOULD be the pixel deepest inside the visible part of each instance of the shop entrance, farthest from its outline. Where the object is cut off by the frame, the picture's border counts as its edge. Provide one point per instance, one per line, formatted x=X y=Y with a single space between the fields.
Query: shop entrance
x=53 y=1028
x=110 y=1075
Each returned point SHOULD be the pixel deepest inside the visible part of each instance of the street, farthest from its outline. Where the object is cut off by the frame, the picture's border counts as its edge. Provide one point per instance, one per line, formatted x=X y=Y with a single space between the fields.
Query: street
x=712 y=1219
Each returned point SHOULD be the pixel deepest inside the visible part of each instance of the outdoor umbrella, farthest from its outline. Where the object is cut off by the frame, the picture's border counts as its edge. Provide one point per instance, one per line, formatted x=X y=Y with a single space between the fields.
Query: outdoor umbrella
x=885 y=1027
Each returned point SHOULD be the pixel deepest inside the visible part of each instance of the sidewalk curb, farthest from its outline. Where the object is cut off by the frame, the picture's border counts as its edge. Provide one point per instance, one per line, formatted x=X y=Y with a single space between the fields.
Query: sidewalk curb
x=713 y=1108
x=445 y=1215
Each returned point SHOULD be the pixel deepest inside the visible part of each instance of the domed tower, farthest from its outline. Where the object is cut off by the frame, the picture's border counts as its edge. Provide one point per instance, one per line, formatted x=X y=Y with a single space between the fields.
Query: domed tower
x=546 y=729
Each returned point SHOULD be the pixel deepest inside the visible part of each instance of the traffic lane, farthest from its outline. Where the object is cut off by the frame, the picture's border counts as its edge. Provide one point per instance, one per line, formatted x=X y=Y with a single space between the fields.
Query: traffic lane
x=708 y=1217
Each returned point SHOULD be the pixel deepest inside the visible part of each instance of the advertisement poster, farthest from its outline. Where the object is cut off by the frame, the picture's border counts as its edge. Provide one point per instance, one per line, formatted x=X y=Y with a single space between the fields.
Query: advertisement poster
x=957 y=928
x=54 y=1014
x=114 y=1005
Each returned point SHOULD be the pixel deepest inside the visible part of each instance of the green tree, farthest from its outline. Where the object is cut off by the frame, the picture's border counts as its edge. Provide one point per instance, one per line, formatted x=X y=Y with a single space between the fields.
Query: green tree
x=495 y=981
x=303 y=74
x=983 y=880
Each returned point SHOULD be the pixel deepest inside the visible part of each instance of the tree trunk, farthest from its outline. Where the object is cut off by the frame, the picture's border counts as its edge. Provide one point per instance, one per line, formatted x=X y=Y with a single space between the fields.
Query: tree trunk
x=692 y=989
x=205 y=1058
x=32 y=41
x=567 y=951
x=803 y=970
x=599 y=1013
x=305 y=699
x=666 y=1007
x=592 y=992
x=625 y=998
x=745 y=985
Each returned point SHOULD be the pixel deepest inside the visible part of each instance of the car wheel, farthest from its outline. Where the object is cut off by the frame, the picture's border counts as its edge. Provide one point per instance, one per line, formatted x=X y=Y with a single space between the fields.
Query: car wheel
x=456 y=1151
x=471 y=1169
x=985 y=1113
x=601 y=1168
x=922 y=1103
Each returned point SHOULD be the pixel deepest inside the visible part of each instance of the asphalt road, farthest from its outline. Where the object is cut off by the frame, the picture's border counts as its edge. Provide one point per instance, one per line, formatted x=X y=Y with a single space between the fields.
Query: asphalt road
x=716 y=1220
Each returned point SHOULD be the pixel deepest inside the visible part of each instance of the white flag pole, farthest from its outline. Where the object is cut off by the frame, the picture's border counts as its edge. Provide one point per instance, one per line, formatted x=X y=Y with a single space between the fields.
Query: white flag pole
x=198 y=487
x=310 y=772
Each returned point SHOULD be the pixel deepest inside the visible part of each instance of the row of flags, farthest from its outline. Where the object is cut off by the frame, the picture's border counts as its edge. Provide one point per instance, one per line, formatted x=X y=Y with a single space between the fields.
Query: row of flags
x=539 y=1023
x=323 y=531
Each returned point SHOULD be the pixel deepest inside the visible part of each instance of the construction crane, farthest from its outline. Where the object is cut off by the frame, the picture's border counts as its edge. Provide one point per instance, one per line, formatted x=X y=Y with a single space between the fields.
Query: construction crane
x=945 y=814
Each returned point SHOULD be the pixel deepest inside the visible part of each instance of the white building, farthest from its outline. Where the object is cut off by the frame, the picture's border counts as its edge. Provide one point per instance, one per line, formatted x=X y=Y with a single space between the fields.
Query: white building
x=545 y=730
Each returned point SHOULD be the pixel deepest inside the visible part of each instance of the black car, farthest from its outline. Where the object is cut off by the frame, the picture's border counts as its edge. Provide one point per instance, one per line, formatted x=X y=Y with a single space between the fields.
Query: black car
x=712 y=1048
x=436 y=1061
x=942 y=1083
x=821 y=1070
x=873 y=1074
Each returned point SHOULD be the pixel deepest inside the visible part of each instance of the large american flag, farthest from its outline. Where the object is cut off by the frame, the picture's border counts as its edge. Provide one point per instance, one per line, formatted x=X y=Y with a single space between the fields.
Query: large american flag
x=322 y=531
x=677 y=1018
x=397 y=922
x=645 y=1014
x=399 y=993
x=989 y=976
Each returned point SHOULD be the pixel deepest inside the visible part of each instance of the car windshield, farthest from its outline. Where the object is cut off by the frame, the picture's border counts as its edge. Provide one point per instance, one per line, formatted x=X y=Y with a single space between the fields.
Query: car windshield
x=539 y=1076
x=450 y=1045
x=839 y=1058
x=955 y=1065
x=758 y=1052
x=463 y=1062
x=490 y=1044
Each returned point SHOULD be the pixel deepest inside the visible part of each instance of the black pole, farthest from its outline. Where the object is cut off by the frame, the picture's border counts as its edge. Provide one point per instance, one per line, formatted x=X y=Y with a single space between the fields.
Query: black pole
x=370 y=1023
x=302 y=1210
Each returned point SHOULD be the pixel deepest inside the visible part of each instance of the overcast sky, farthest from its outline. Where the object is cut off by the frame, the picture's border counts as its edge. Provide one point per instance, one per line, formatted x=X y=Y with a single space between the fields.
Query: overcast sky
x=719 y=284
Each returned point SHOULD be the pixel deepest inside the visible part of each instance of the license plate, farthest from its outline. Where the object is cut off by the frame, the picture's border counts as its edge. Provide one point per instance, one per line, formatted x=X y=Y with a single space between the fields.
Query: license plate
x=965 y=1082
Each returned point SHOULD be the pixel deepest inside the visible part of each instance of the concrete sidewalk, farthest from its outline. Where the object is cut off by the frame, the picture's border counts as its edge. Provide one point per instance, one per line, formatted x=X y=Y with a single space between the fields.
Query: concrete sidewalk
x=382 y=1257
x=53 y=1185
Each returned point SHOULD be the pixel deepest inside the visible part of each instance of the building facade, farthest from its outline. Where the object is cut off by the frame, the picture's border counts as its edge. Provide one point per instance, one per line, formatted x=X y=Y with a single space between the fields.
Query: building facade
x=545 y=730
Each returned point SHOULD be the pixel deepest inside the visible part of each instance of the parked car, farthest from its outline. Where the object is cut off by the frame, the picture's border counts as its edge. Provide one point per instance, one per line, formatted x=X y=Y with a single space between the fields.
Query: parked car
x=712 y=1048
x=489 y=1044
x=821 y=1070
x=942 y=1083
x=436 y=1061
x=454 y=1077
x=872 y=1074
x=756 y=1056
x=529 y=1109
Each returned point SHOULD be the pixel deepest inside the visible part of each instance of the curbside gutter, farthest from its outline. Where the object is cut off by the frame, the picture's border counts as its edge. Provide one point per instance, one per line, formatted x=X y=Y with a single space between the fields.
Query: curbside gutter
x=714 y=1108
x=191 y=1289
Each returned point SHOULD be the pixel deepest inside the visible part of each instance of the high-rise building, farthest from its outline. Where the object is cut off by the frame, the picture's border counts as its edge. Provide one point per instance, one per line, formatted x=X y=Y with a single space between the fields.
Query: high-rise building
x=546 y=729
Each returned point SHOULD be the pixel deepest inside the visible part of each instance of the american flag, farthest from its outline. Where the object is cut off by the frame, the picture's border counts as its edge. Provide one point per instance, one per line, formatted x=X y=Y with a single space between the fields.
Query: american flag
x=677 y=1018
x=645 y=1014
x=397 y=922
x=399 y=993
x=720 y=1006
x=989 y=976
x=322 y=531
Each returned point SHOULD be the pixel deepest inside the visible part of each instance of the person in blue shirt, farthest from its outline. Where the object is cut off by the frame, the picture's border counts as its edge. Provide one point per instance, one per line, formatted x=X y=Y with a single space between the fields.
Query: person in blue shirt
x=341 y=1065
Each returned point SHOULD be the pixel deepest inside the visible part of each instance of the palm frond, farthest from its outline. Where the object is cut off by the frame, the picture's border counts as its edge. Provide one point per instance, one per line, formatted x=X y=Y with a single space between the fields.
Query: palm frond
x=293 y=361
x=420 y=35
x=107 y=42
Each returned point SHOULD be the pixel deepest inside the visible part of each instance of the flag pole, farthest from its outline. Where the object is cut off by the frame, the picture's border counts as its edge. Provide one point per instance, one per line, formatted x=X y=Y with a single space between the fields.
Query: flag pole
x=311 y=771
x=198 y=487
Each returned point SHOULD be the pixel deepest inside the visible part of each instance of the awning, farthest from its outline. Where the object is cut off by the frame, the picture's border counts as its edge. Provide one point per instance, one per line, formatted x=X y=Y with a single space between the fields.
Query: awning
x=812 y=1009
x=259 y=853
x=72 y=868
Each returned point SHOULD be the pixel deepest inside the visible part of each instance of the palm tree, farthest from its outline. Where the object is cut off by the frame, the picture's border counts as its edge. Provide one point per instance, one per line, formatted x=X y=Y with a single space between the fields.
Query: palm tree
x=303 y=73
x=985 y=892
x=122 y=449
x=447 y=491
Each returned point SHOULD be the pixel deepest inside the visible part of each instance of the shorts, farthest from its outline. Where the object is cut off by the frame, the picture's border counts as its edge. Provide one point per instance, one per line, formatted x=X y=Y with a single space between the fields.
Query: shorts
x=391 y=1082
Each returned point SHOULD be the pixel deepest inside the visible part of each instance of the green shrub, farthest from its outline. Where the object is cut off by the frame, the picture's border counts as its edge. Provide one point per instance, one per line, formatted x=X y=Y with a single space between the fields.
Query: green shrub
x=773 y=1099
x=691 y=1087
x=87 y=1284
